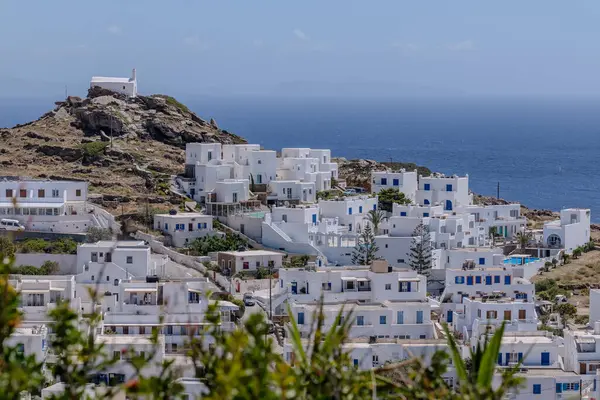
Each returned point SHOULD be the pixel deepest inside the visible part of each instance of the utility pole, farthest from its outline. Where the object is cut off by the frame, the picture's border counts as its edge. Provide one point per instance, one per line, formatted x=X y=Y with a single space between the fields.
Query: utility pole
x=66 y=92
x=498 y=191
x=270 y=286
x=111 y=135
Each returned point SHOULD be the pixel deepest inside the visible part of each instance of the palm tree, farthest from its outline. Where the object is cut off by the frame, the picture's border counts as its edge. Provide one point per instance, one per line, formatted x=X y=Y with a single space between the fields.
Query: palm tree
x=523 y=238
x=375 y=217
x=491 y=235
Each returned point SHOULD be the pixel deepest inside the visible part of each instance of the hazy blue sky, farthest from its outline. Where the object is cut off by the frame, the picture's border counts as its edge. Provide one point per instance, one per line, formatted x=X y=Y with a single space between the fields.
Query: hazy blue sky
x=534 y=47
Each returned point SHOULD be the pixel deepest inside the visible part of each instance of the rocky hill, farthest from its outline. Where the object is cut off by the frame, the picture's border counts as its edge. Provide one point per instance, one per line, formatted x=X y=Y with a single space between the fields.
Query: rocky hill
x=122 y=146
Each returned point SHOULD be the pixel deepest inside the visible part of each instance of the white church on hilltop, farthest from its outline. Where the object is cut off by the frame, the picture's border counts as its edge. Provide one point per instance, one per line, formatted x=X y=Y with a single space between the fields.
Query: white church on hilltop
x=127 y=86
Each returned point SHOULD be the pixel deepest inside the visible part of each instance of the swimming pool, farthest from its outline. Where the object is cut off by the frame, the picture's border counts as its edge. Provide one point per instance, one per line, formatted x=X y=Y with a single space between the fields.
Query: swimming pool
x=520 y=260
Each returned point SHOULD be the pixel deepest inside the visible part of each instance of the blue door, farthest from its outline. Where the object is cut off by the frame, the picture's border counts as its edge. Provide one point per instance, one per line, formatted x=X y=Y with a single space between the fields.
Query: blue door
x=546 y=358
x=449 y=317
x=300 y=318
x=294 y=288
x=314 y=218
x=470 y=280
x=488 y=280
x=448 y=205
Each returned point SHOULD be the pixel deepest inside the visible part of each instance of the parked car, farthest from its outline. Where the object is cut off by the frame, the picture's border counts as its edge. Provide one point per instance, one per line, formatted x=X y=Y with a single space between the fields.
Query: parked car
x=11 y=225
x=248 y=300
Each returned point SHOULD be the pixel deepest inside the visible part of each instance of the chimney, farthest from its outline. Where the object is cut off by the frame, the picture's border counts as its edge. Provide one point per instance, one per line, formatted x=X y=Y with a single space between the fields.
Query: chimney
x=379 y=266
x=133 y=75
x=597 y=328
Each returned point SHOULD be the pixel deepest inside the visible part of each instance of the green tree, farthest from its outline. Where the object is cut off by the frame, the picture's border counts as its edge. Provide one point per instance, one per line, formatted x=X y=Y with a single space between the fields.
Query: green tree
x=95 y=234
x=366 y=249
x=387 y=197
x=492 y=235
x=375 y=217
x=566 y=311
x=419 y=256
x=7 y=248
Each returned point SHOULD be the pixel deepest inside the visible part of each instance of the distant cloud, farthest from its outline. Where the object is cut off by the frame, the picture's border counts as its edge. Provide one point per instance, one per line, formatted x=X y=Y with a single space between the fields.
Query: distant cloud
x=465 y=45
x=195 y=41
x=114 y=30
x=299 y=34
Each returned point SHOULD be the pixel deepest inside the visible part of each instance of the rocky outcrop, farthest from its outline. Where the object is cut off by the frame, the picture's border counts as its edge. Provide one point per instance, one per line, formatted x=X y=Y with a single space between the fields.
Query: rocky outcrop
x=357 y=172
x=68 y=154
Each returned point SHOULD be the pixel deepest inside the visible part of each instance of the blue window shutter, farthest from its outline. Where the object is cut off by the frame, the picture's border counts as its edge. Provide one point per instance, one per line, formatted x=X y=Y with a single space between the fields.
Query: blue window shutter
x=300 y=318
x=496 y=278
x=400 y=317
x=477 y=279
x=456 y=280
x=545 y=358
x=537 y=388
x=576 y=386
x=403 y=213
x=281 y=283
x=360 y=209
x=427 y=186
x=507 y=357
x=481 y=260
x=166 y=227
x=350 y=211
x=488 y=280
x=469 y=280
x=384 y=181
x=507 y=279
x=499 y=358
x=558 y=388
x=565 y=386
x=356 y=362
x=396 y=182
x=448 y=188
x=408 y=287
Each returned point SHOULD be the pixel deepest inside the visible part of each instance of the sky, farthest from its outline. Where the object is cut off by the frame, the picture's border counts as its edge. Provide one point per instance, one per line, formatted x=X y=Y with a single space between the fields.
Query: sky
x=260 y=47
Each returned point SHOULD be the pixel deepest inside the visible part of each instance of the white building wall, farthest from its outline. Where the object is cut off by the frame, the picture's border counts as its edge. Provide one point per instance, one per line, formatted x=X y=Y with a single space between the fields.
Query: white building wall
x=404 y=181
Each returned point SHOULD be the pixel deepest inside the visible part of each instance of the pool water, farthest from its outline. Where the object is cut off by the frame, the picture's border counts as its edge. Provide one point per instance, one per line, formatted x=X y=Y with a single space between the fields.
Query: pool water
x=520 y=260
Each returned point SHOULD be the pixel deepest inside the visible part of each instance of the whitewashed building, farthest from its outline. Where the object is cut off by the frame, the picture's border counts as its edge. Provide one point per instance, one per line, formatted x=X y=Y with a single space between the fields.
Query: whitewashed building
x=448 y=191
x=292 y=192
x=183 y=228
x=404 y=181
x=250 y=260
x=505 y=219
x=47 y=206
x=126 y=86
x=570 y=231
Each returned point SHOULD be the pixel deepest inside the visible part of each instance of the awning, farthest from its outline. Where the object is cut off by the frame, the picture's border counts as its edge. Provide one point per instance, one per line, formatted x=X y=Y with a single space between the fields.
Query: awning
x=141 y=289
x=363 y=279
x=409 y=280
x=129 y=324
x=57 y=289
x=194 y=290
x=348 y=278
x=24 y=204
x=35 y=291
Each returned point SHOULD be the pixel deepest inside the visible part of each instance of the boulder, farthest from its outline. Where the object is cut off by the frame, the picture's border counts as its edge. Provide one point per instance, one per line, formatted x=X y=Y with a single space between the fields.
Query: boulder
x=69 y=154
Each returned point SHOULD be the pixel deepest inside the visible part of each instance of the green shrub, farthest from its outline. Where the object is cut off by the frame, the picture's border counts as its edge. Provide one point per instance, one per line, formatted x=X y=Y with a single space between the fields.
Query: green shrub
x=92 y=149
x=172 y=101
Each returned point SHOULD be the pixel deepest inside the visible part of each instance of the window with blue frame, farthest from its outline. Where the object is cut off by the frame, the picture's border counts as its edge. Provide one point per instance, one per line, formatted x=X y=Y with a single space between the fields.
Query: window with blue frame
x=382 y=319
x=300 y=318
x=400 y=317
x=426 y=202
x=166 y=227
x=425 y=214
x=356 y=362
x=360 y=209
x=545 y=358
x=396 y=182
x=448 y=188
x=469 y=280
x=481 y=260
x=459 y=279
x=488 y=280
x=427 y=186
x=350 y=211
x=496 y=278
x=419 y=317
x=403 y=213
x=507 y=279
x=477 y=279
x=360 y=320
x=383 y=181
x=537 y=388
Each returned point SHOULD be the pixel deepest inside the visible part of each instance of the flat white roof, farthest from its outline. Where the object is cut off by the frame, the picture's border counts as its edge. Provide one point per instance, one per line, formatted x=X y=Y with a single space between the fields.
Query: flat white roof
x=24 y=204
x=183 y=215
x=118 y=243
x=252 y=253
x=124 y=339
x=108 y=79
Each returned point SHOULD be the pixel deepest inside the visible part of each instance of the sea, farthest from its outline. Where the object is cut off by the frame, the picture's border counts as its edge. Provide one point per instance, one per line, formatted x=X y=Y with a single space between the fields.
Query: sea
x=543 y=153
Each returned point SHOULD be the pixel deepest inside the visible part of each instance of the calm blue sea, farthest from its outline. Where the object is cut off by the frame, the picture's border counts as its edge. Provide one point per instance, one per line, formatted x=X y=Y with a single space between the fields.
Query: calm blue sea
x=544 y=153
